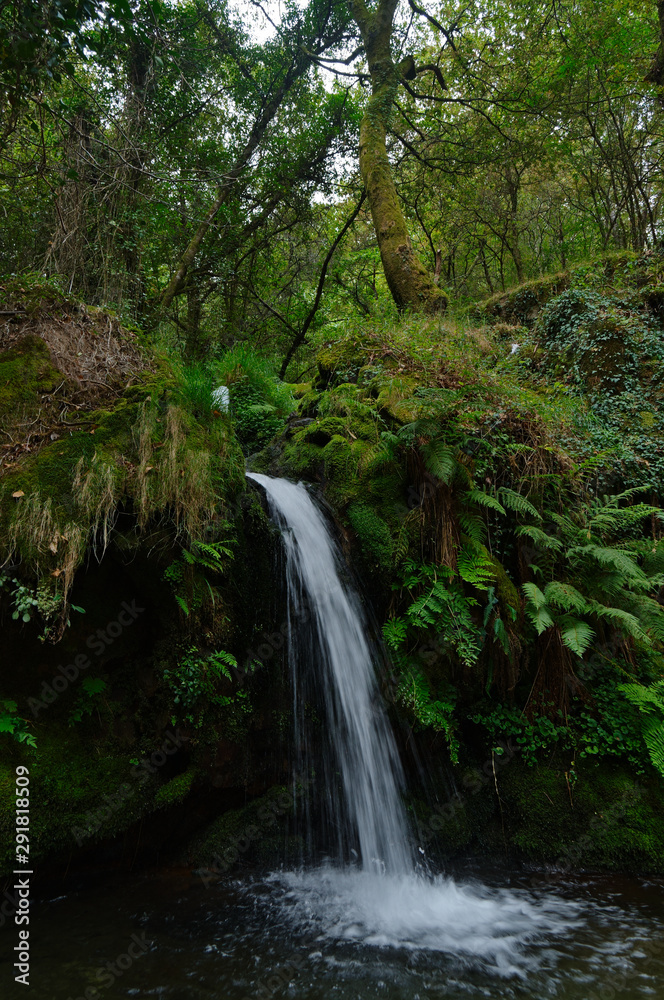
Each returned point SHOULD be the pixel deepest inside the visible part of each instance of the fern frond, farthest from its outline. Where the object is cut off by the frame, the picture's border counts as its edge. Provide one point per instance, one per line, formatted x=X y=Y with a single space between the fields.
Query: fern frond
x=564 y=596
x=182 y=604
x=473 y=526
x=475 y=567
x=440 y=460
x=518 y=503
x=540 y=537
x=622 y=620
x=534 y=595
x=653 y=734
x=576 y=635
x=613 y=558
x=394 y=632
x=485 y=500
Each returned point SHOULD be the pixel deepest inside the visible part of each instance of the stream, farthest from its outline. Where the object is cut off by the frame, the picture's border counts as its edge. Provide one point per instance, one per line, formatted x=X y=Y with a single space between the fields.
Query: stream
x=368 y=918
x=309 y=937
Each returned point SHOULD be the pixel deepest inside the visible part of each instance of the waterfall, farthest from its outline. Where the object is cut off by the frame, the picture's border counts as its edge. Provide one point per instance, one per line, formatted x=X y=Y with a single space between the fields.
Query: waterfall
x=384 y=901
x=372 y=819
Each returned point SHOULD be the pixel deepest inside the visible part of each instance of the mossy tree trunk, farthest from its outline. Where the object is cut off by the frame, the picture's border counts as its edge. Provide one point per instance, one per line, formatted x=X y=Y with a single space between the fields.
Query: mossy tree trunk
x=408 y=279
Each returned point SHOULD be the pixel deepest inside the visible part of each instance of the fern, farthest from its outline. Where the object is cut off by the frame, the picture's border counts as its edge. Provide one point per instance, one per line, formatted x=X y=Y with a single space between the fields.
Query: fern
x=394 y=632
x=564 y=596
x=518 y=503
x=650 y=702
x=576 y=635
x=485 y=500
x=440 y=461
x=414 y=693
x=473 y=526
x=540 y=537
x=182 y=604
x=653 y=734
x=475 y=567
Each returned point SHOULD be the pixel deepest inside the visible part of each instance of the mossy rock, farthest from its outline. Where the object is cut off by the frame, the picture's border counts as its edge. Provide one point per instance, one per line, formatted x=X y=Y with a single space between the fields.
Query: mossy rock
x=609 y=819
x=373 y=535
x=299 y=389
x=396 y=400
x=340 y=361
x=175 y=790
x=77 y=797
x=323 y=430
x=255 y=832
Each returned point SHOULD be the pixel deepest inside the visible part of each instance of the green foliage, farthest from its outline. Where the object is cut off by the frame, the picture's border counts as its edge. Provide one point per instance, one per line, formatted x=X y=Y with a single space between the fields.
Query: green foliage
x=14 y=725
x=414 y=693
x=373 y=534
x=650 y=702
x=443 y=606
x=504 y=722
x=195 y=683
x=596 y=549
x=602 y=347
x=87 y=700
x=260 y=402
x=24 y=597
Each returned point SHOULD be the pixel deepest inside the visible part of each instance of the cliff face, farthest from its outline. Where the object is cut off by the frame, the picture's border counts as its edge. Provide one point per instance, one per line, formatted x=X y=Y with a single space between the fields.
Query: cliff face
x=137 y=579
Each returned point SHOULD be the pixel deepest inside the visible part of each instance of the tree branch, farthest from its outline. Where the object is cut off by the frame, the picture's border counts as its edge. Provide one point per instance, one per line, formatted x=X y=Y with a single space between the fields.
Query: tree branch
x=299 y=338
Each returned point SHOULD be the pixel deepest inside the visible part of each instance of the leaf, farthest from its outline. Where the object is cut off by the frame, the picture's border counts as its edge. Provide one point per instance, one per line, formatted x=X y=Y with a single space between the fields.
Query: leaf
x=394 y=632
x=564 y=596
x=534 y=594
x=518 y=503
x=182 y=604
x=440 y=460
x=540 y=537
x=577 y=636
x=485 y=499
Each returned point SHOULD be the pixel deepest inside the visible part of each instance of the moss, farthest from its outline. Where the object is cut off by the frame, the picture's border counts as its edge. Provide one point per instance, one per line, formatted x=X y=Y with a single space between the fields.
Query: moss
x=609 y=819
x=254 y=832
x=323 y=430
x=373 y=534
x=77 y=797
x=26 y=374
x=340 y=361
x=176 y=789
x=506 y=591
x=299 y=389
x=396 y=400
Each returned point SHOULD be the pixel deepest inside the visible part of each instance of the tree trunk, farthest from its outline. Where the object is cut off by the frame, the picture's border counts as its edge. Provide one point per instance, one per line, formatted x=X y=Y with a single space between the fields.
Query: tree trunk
x=409 y=281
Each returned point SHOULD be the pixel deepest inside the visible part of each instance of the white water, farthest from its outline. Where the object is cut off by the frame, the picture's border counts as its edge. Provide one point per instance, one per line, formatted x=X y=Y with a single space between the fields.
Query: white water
x=366 y=754
x=382 y=901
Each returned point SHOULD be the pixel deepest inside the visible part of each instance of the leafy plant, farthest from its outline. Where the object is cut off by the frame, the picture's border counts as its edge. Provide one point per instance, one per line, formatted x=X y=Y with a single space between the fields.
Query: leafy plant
x=195 y=682
x=597 y=554
x=14 y=725
x=650 y=702
x=414 y=693
x=25 y=598
x=87 y=700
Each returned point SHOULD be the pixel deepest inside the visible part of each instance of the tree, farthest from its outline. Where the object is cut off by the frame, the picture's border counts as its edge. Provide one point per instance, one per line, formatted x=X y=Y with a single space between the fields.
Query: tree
x=409 y=281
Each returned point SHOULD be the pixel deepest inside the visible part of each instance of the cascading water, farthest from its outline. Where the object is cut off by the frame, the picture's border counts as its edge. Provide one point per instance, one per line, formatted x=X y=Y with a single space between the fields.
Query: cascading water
x=383 y=900
x=359 y=730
